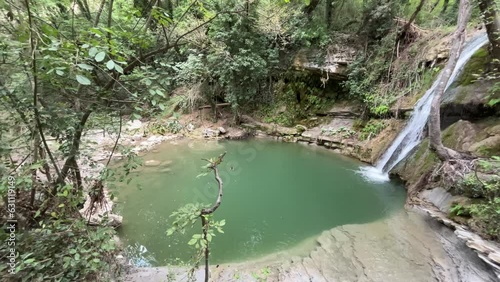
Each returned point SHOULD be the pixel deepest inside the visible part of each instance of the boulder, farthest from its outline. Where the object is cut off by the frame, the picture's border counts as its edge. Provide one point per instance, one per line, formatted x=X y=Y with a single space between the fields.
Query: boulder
x=111 y=220
x=210 y=133
x=300 y=128
x=238 y=134
x=222 y=130
x=286 y=131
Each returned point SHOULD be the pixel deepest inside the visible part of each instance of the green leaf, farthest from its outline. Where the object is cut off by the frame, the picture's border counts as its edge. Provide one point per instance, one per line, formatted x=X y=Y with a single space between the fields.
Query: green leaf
x=192 y=242
x=82 y=80
x=85 y=67
x=118 y=68
x=209 y=237
x=59 y=72
x=110 y=65
x=493 y=102
x=99 y=57
x=222 y=222
x=93 y=51
x=160 y=93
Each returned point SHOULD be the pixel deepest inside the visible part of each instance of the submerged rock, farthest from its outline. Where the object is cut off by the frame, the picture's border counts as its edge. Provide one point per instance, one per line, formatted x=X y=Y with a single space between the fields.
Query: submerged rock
x=238 y=134
x=152 y=163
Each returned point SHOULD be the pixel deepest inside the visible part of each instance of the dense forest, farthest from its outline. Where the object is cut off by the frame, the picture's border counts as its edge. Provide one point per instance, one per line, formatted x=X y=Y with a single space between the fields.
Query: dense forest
x=71 y=67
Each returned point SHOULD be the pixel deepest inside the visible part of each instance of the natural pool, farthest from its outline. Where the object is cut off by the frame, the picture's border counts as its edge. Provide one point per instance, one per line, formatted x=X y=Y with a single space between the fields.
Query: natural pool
x=276 y=195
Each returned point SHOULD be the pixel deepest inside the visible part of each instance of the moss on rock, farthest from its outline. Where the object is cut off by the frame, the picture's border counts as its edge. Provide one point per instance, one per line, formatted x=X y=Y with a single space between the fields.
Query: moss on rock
x=421 y=162
x=476 y=65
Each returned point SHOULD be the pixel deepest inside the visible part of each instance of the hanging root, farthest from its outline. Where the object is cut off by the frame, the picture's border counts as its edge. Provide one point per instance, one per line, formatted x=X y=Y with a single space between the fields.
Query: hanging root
x=454 y=170
x=97 y=198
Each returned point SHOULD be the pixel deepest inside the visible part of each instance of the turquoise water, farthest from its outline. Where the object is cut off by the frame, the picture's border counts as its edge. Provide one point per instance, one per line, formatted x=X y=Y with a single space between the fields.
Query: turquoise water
x=275 y=196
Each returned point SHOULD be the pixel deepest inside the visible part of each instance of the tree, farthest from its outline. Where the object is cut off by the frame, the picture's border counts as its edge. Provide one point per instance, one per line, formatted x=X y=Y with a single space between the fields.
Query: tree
x=309 y=9
x=328 y=12
x=434 y=123
x=189 y=213
x=492 y=23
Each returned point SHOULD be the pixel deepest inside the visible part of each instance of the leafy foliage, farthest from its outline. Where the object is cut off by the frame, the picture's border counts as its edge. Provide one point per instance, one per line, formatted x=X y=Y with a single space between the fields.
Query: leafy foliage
x=65 y=251
x=371 y=129
x=486 y=210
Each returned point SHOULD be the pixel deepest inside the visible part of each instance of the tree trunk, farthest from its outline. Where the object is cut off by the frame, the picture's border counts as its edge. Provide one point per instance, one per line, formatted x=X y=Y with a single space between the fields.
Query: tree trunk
x=435 y=5
x=445 y=6
x=204 y=225
x=75 y=147
x=405 y=28
x=310 y=8
x=435 y=117
x=328 y=12
x=36 y=150
x=208 y=211
x=492 y=24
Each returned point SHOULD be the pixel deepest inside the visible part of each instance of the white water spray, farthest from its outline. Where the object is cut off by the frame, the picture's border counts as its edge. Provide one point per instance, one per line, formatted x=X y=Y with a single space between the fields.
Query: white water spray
x=413 y=132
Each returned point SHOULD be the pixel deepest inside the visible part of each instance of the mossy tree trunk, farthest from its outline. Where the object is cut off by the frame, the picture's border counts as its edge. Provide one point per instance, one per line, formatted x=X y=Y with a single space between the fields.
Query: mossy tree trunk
x=492 y=22
x=436 y=143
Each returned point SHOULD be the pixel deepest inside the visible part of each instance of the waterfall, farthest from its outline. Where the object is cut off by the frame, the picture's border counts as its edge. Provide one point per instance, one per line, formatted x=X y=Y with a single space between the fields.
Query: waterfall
x=413 y=132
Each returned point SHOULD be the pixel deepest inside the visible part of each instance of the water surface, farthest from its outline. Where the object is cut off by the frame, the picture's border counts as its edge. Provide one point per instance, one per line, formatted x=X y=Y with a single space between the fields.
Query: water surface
x=275 y=196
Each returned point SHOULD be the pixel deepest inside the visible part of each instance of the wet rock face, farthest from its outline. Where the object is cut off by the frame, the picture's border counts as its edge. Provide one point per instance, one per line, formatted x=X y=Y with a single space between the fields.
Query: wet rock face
x=468 y=102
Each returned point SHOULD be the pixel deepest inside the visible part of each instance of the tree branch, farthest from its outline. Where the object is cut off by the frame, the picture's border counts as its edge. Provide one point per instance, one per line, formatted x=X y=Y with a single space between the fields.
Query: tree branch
x=99 y=12
x=35 y=90
x=213 y=165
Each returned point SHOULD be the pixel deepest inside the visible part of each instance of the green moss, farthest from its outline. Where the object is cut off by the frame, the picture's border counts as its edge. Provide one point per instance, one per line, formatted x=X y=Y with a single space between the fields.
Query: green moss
x=420 y=163
x=489 y=151
x=450 y=139
x=476 y=65
x=422 y=148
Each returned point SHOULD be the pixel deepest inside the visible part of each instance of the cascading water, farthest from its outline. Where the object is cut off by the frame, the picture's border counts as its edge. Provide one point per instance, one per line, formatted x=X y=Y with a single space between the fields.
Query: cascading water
x=412 y=134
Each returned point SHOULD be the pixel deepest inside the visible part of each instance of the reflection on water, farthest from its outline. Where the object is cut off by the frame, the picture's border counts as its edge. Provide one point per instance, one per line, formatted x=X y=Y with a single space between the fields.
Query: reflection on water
x=138 y=255
x=275 y=196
